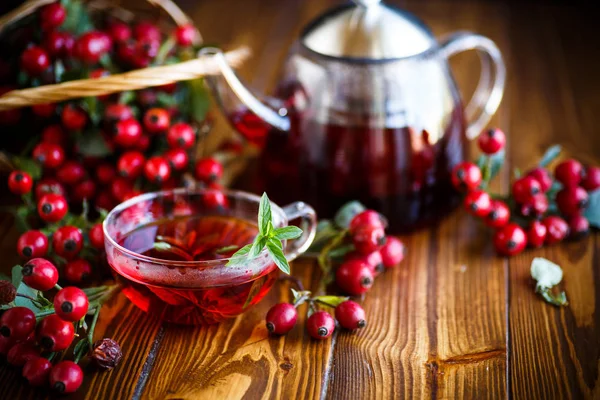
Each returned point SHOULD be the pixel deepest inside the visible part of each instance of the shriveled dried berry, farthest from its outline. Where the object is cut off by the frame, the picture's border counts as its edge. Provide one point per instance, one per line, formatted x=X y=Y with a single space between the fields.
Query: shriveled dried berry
x=106 y=353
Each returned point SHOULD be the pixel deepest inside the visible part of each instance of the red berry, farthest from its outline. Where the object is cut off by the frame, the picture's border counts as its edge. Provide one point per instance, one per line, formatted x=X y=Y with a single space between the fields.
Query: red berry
x=491 y=141
x=354 y=277
x=131 y=164
x=281 y=318
x=96 y=235
x=17 y=323
x=578 y=226
x=214 y=198
x=177 y=158
x=5 y=344
x=510 y=240
x=49 y=155
x=52 y=16
x=367 y=239
x=523 y=189
x=369 y=218
x=35 y=60
x=120 y=188
x=54 y=333
x=466 y=176
x=157 y=169
x=117 y=112
x=66 y=377
x=49 y=185
x=591 y=181
x=541 y=175
x=145 y=30
x=119 y=31
x=105 y=173
x=67 y=241
x=77 y=271
x=536 y=234
x=36 y=371
x=73 y=118
x=22 y=352
x=478 y=203
x=157 y=120
x=54 y=134
x=71 y=303
x=499 y=214
x=32 y=244
x=320 y=325
x=143 y=143
x=350 y=315
x=181 y=135
x=91 y=46
x=208 y=170
x=44 y=110
x=20 y=182
x=185 y=35
x=70 y=172
x=572 y=200
x=40 y=274
x=83 y=190
x=59 y=44
x=557 y=228
x=536 y=206
x=392 y=252
x=373 y=260
x=127 y=132
x=52 y=207
x=105 y=201
x=569 y=172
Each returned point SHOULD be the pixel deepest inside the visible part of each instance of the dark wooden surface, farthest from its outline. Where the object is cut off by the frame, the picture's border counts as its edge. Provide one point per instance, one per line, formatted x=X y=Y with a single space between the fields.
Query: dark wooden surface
x=454 y=321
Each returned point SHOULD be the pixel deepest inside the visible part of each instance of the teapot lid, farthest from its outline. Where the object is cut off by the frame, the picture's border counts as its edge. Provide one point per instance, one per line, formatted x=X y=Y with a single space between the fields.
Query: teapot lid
x=367 y=30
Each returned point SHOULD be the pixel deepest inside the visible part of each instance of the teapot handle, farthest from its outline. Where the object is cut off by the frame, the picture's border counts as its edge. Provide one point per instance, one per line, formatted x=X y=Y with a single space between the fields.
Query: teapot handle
x=487 y=96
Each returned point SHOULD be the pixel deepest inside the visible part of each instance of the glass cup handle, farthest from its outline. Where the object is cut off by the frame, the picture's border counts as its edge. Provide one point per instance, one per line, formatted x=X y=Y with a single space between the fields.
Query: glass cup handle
x=487 y=96
x=307 y=213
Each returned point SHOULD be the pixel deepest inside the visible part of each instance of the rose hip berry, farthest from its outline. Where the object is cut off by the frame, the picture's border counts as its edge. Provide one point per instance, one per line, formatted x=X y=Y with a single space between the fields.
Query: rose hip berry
x=177 y=158
x=36 y=371
x=127 y=132
x=5 y=345
x=85 y=189
x=350 y=315
x=536 y=234
x=8 y=292
x=32 y=244
x=557 y=229
x=131 y=164
x=54 y=134
x=354 y=277
x=54 y=333
x=523 y=189
x=591 y=181
x=120 y=188
x=52 y=16
x=48 y=185
x=71 y=303
x=569 y=172
x=117 y=112
x=320 y=325
x=536 y=206
x=478 y=203
x=367 y=239
x=40 y=274
x=281 y=318
x=66 y=377
x=22 y=352
x=67 y=241
x=541 y=175
x=373 y=260
x=52 y=207
x=181 y=135
x=491 y=141
x=466 y=176
x=70 y=172
x=49 y=155
x=157 y=120
x=73 y=118
x=392 y=252
x=59 y=44
x=579 y=226
x=17 y=323
x=572 y=200
x=157 y=169
x=119 y=31
x=77 y=271
x=510 y=240
x=369 y=218
x=96 y=235
x=208 y=170
x=91 y=46
x=499 y=214
x=35 y=60
x=44 y=110
x=145 y=30
x=214 y=198
x=185 y=35
x=105 y=173
x=20 y=182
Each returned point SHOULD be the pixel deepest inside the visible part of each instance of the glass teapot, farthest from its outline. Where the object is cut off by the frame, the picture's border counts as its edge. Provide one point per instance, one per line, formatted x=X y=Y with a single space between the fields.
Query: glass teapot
x=367 y=110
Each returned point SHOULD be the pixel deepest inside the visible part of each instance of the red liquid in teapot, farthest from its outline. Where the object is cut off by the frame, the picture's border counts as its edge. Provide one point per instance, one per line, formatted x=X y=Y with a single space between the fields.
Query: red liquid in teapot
x=199 y=239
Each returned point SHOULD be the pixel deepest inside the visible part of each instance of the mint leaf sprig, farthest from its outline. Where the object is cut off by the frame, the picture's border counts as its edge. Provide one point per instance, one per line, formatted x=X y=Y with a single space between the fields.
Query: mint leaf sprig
x=269 y=237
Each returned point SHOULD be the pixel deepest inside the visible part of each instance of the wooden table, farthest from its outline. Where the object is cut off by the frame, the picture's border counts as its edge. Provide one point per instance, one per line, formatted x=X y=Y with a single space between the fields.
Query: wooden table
x=454 y=321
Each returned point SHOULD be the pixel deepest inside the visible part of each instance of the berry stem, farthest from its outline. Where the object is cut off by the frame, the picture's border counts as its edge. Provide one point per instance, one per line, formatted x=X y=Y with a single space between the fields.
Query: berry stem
x=92 y=327
x=57 y=287
x=27 y=297
x=325 y=261
x=44 y=313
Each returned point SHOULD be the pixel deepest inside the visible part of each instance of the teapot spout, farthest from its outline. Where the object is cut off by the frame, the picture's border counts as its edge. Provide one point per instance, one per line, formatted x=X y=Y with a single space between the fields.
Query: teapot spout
x=232 y=95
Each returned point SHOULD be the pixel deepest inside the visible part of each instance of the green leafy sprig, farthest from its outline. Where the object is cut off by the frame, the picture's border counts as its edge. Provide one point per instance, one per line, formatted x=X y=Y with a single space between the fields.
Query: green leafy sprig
x=268 y=237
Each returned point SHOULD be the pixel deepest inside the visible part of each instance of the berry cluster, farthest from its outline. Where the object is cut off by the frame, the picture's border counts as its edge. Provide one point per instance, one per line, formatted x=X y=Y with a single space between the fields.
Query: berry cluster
x=540 y=210
x=33 y=336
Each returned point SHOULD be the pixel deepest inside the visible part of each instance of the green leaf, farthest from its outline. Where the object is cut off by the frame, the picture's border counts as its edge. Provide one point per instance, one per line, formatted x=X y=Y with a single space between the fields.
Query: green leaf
x=278 y=257
x=264 y=214
x=326 y=230
x=276 y=243
x=126 y=97
x=59 y=71
x=240 y=256
x=93 y=110
x=257 y=246
x=166 y=100
x=592 y=213
x=347 y=212
x=341 y=251
x=287 y=233
x=331 y=301
x=300 y=297
x=17 y=275
x=199 y=99
x=496 y=163
x=78 y=20
x=24 y=302
x=481 y=161
x=28 y=165
x=550 y=155
x=21 y=216
x=92 y=144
